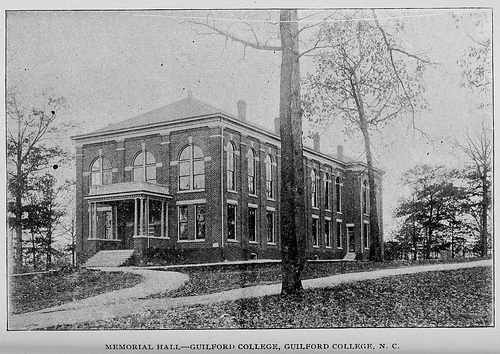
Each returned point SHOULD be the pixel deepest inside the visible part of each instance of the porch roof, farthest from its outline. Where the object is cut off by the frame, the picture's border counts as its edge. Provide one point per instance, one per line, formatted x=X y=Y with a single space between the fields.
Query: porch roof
x=128 y=190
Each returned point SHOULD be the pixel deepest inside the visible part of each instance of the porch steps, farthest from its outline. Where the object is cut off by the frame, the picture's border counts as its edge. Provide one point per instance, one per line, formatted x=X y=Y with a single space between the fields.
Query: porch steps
x=109 y=258
x=350 y=256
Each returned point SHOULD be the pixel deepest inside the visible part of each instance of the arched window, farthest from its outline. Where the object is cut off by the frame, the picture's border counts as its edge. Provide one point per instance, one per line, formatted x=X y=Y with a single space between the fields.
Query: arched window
x=101 y=172
x=251 y=171
x=191 y=168
x=144 y=168
x=328 y=187
x=338 y=192
x=314 y=189
x=231 y=161
x=365 y=196
x=269 y=177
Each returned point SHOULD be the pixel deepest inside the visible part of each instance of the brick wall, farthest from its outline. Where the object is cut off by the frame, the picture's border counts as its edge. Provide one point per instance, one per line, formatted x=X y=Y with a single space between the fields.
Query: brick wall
x=166 y=148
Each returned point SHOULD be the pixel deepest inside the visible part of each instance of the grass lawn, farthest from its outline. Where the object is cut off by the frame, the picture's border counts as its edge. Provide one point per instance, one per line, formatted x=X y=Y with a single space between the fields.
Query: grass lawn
x=35 y=292
x=213 y=279
x=454 y=298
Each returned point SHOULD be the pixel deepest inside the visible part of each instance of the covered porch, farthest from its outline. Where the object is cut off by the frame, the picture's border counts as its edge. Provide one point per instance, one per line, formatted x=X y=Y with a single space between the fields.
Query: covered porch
x=119 y=213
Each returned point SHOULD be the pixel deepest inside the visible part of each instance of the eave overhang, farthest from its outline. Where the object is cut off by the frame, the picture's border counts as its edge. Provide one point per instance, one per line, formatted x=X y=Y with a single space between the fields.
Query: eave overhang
x=128 y=190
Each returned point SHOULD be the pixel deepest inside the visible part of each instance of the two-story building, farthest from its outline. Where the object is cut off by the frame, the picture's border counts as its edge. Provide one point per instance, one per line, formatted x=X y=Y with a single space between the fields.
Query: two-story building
x=195 y=184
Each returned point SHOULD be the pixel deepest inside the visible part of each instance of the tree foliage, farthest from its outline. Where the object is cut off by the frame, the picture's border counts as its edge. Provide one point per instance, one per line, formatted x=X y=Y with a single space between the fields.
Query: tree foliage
x=476 y=63
x=30 y=152
x=437 y=215
x=365 y=77
x=478 y=149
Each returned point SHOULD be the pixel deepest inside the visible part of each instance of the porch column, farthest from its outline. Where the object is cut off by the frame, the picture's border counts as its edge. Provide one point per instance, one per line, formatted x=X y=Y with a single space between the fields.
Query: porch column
x=146 y=216
x=94 y=220
x=90 y=218
x=162 y=224
x=135 y=217
x=141 y=218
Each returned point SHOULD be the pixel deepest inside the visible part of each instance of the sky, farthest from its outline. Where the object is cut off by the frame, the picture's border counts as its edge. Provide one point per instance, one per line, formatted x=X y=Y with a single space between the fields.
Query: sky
x=114 y=65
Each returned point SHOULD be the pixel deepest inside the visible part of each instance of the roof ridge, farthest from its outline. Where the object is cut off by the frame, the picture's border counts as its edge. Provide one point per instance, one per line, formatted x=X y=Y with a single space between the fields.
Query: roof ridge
x=209 y=107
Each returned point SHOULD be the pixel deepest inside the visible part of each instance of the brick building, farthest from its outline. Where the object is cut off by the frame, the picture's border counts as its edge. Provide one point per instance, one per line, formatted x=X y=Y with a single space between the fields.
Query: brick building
x=196 y=184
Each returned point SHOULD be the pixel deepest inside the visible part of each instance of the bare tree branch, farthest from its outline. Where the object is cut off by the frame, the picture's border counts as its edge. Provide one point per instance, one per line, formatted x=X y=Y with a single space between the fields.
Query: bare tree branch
x=235 y=38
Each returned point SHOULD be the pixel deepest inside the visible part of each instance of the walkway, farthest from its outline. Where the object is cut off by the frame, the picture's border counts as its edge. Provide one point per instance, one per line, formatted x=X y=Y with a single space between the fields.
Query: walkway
x=128 y=301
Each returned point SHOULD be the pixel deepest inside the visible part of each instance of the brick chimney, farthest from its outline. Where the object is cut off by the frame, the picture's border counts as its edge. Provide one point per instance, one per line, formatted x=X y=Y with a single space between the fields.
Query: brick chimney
x=340 y=152
x=316 y=141
x=242 y=110
x=277 y=126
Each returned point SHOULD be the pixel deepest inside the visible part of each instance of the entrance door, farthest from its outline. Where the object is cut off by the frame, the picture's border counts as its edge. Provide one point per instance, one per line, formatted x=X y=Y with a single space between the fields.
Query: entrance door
x=104 y=223
x=350 y=239
x=125 y=210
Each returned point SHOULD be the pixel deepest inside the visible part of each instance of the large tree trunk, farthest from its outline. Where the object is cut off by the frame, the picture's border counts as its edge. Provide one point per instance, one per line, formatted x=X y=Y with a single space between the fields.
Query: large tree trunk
x=375 y=244
x=376 y=253
x=293 y=211
x=484 y=214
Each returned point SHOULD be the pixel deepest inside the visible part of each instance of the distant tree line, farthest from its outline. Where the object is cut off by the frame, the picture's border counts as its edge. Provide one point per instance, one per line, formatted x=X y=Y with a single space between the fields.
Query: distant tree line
x=443 y=216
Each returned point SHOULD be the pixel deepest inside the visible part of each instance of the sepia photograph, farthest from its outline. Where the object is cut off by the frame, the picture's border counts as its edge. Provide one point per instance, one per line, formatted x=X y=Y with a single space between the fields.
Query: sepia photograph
x=217 y=179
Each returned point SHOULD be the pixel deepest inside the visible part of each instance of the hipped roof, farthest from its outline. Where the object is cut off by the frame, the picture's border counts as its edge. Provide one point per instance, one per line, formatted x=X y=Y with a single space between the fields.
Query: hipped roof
x=186 y=108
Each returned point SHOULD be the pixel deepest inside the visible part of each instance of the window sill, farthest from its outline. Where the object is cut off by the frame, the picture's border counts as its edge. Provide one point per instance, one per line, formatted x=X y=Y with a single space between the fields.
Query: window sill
x=152 y=237
x=271 y=243
x=253 y=242
x=191 y=191
x=340 y=248
x=315 y=246
x=230 y=240
x=329 y=247
x=271 y=199
x=253 y=195
x=104 y=239
x=190 y=241
x=232 y=191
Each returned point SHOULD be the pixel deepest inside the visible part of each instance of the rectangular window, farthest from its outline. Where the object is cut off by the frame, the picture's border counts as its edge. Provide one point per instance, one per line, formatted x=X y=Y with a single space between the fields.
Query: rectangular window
x=315 y=232
x=251 y=173
x=199 y=174
x=252 y=223
x=138 y=173
x=200 y=222
x=231 y=222
x=328 y=187
x=366 y=235
x=270 y=226
x=184 y=176
x=338 y=194
x=314 y=188
x=251 y=185
x=230 y=181
x=339 y=234
x=107 y=177
x=183 y=222
x=108 y=228
x=328 y=233
x=151 y=174
x=95 y=178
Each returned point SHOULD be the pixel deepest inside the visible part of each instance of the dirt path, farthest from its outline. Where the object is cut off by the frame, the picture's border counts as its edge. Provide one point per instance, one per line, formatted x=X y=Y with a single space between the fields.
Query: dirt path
x=128 y=301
